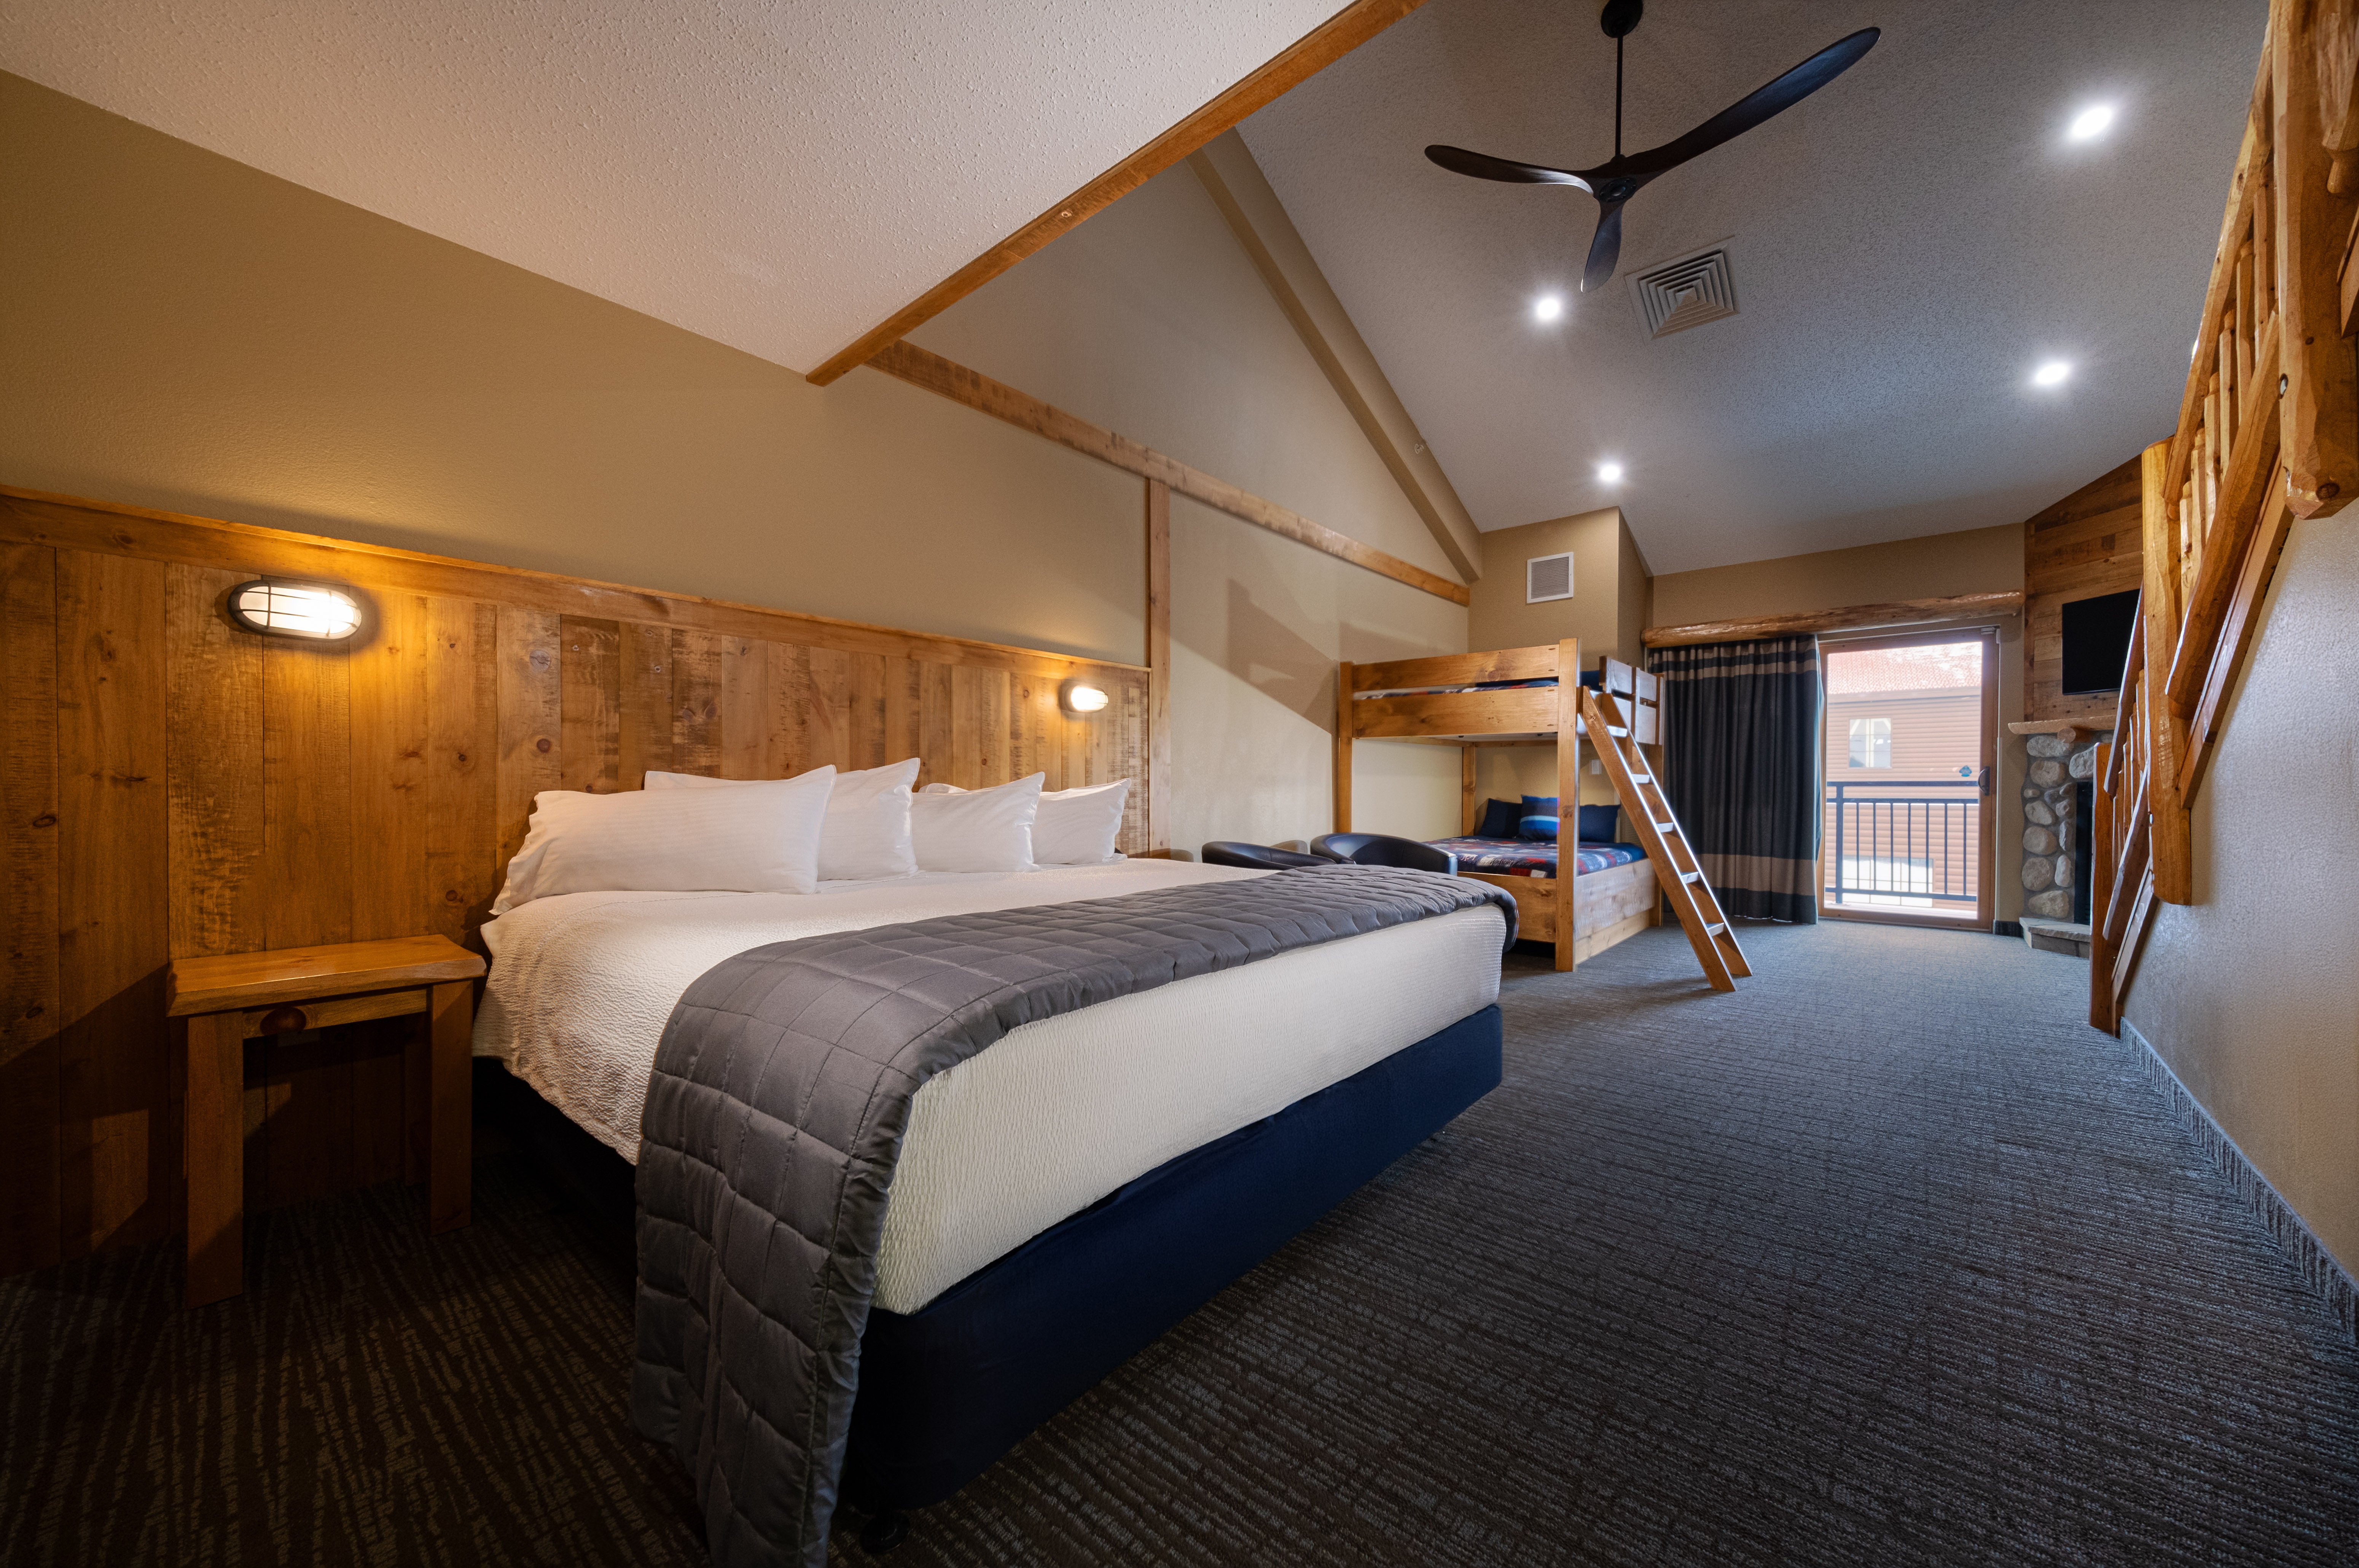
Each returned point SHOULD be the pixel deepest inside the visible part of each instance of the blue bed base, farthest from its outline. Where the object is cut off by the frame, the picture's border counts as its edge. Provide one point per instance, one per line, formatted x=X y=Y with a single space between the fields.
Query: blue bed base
x=946 y=1391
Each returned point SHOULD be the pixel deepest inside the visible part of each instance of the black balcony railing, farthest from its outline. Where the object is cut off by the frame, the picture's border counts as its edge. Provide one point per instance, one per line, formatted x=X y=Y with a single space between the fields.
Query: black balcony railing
x=1897 y=841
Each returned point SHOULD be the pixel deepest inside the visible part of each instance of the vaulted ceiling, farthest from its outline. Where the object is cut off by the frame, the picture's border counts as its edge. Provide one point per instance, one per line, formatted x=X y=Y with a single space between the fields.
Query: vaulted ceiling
x=779 y=175
x=1908 y=243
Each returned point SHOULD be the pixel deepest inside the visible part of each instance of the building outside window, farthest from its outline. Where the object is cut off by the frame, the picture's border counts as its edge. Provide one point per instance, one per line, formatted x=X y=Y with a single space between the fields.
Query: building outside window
x=1871 y=743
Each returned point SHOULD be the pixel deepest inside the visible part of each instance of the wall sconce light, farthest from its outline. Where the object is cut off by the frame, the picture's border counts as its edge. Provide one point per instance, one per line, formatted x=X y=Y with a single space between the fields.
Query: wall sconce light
x=1081 y=699
x=318 y=612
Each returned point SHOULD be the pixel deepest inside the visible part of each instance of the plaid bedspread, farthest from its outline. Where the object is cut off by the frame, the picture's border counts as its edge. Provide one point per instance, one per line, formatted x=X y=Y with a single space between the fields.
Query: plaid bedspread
x=1533 y=857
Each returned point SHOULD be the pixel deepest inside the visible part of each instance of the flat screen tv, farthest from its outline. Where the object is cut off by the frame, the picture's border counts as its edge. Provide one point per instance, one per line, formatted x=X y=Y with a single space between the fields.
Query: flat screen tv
x=2096 y=641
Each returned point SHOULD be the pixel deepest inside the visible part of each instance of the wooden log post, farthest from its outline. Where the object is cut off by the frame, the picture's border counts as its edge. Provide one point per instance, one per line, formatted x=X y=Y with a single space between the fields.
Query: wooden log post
x=2243 y=501
x=1567 y=795
x=2099 y=829
x=1158 y=668
x=2174 y=873
x=2320 y=413
x=1344 y=681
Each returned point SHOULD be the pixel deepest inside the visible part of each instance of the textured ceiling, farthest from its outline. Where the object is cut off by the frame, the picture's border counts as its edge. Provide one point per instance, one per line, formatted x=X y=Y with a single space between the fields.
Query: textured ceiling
x=777 y=176
x=1909 y=243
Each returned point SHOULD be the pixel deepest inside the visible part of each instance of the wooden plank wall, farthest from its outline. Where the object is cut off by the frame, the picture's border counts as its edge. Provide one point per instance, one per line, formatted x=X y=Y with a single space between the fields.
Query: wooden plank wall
x=2087 y=544
x=171 y=786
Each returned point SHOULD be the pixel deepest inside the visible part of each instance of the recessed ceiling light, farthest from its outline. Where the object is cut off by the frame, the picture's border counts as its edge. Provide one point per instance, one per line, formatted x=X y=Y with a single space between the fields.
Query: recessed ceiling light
x=2051 y=374
x=1610 y=471
x=2091 y=123
x=1549 y=307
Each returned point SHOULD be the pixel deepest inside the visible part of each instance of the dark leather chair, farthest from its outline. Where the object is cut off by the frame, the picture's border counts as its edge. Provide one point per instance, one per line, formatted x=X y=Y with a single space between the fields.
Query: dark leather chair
x=1257 y=857
x=1383 y=849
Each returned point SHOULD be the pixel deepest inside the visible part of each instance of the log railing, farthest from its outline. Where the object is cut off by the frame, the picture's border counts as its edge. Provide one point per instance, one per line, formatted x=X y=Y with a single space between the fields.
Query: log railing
x=2269 y=432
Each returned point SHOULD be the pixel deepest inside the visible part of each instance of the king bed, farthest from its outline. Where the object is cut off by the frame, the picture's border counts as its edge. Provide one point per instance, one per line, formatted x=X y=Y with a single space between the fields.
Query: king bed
x=1060 y=1198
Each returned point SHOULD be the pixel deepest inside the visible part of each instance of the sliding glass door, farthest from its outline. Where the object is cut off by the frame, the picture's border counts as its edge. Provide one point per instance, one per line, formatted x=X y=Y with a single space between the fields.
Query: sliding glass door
x=1910 y=749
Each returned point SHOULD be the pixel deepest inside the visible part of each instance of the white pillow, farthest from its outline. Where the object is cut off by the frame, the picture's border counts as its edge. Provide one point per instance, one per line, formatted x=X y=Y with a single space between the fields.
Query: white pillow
x=761 y=838
x=857 y=781
x=1078 y=827
x=866 y=833
x=1075 y=827
x=977 y=830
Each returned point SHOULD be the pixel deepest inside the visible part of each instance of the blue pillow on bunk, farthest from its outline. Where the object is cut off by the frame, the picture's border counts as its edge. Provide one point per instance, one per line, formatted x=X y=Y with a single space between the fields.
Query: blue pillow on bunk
x=1539 y=818
x=1597 y=823
x=1499 y=819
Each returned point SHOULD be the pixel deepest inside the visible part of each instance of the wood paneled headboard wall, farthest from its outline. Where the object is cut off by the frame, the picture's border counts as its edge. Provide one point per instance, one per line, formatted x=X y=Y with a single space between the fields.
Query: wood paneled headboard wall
x=171 y=786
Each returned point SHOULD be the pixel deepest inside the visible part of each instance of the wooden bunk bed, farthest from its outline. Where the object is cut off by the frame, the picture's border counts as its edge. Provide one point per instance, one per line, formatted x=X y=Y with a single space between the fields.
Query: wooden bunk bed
x=1533 y=696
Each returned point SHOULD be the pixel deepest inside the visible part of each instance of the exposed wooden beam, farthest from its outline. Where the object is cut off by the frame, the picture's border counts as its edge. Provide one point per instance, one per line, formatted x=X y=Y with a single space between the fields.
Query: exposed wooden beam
x=1330 y=41
x=1260 y=220
x=1900 y=613
x=1159 y=667
x=980 y=392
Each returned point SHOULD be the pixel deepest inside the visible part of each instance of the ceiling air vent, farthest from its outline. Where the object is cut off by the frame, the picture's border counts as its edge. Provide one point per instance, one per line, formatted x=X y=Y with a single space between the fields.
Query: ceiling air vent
x=1686 y=293
x=1547 y=577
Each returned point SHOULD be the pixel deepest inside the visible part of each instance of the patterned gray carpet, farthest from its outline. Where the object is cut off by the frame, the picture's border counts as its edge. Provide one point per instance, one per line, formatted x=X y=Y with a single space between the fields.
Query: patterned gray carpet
x=1882 y=1261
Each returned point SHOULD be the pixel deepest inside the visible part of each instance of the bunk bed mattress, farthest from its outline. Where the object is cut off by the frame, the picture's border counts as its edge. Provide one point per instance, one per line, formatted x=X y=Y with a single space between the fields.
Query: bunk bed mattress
x=1052 y=1118
x=1534 y=857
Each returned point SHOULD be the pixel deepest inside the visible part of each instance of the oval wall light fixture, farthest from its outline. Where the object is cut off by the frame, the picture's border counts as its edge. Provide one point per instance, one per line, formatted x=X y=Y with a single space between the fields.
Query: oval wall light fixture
x=279 y=606
x=1081 y=698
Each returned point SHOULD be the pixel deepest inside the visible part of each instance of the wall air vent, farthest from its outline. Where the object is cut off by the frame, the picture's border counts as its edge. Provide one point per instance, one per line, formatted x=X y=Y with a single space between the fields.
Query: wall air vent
x=1687 y=292
x=1547 y=577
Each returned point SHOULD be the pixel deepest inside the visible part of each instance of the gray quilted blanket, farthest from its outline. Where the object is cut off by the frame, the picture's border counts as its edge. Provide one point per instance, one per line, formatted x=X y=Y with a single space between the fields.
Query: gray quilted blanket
x=781 y=1090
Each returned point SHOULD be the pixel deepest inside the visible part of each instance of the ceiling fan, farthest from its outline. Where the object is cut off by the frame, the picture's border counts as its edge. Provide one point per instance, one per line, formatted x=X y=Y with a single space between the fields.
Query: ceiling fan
x=1614 y=181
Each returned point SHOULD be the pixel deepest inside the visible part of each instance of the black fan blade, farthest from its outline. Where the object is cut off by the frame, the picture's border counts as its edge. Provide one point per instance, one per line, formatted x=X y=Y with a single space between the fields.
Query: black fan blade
x=1604 y=248
x=1741 y=116
x=1482 y=166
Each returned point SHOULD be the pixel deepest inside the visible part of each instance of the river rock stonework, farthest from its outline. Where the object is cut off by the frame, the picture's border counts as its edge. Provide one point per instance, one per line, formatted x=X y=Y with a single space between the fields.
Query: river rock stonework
x=2057 y=765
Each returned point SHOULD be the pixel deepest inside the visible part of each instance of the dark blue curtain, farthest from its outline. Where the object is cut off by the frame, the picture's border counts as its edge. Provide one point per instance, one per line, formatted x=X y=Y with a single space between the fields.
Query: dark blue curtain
x=1741 y=769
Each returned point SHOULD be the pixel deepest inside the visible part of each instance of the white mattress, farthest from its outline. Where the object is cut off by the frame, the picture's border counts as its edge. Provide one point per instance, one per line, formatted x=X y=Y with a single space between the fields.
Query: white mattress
x=1052 y=1118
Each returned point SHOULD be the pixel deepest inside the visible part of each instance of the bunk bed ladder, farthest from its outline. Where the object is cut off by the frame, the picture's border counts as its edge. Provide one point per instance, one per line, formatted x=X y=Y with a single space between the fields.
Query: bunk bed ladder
x=1708 y=932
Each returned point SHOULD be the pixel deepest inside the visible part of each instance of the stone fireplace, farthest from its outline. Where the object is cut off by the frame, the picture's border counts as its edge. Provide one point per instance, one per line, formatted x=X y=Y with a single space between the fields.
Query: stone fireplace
x=2053 y=832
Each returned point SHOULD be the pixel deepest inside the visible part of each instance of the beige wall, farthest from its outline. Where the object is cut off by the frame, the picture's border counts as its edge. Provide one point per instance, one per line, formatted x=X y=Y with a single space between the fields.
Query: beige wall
x=1637 y=610
x=1152 y=319
x=1252 y=690
x=1499 y=617
x=182 y=331
x=1978 y=561
x=185 y=333
x=1606 y=612
x=2251 y=994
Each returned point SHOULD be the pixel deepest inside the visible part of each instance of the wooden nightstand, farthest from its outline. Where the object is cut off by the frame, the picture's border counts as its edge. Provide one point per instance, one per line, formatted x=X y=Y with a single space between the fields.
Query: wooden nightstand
x=231 y=1000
